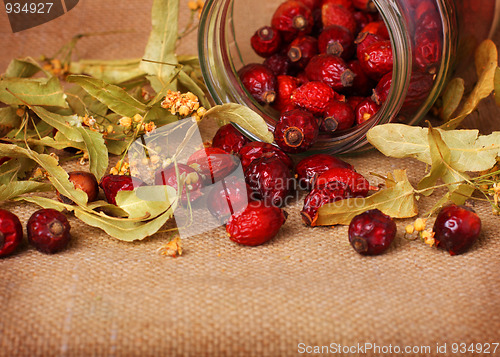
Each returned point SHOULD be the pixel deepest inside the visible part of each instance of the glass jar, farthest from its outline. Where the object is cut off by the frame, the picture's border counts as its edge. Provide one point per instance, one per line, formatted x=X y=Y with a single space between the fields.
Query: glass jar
x=226 y=27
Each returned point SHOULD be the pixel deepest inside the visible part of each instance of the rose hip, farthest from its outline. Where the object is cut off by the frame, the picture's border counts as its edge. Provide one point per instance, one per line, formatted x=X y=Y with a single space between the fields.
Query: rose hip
x=112 y=184
x=371 y=232
x=376 y=59
x=278 y=64
x=213 y=164
x=376 y=28
x=292 y=18
x=270 y=180
x=313 y=96
x=427 y=50
x=332 y=14
x=266 y=41
x=232 y=195
x=336 y=40
x=48 y=231
x=256 y=224
x=358 y=185
x=364 y=40
x=259 y=81
x=331 y=70
x=296 y=131
x=11 y=232
x=192 y=183
x=334 y=191
x=229 y=139
x=364 y=5
x=286 y=86
x=301 y=50
x=365 y=110
x=456 y=229
x=345 y=3
x=257 y=149
x=84 y=181
x=362 y=85
x=314 y=165
x=338 y=116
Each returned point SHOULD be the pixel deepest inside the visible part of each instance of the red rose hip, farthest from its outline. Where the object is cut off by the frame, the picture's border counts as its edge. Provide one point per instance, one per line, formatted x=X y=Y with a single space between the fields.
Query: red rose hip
x=259 y=81
x=313 y=96
x=48 y=231
x=270 y=180
x=337 y=41
x=301 y=50
x=266 y=41
x=213 y=164
x=229 y=139
x=371 y=232
x=231 y=196
x=338 y=116
x=112 y=184
x=11 y=232
x=296 y=131
x=192 y=184
x=255 y=224
x=456 y=229
x=257 y=149
x=331 y=70
x=314 y=165
x=334 y=191
x=292 y=18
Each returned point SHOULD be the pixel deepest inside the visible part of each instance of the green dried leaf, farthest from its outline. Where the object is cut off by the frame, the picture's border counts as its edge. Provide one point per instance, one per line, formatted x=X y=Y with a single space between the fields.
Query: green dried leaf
x=162 y=42
x=397 y=201
x=67 y=125
x=8 y=120
x=16 y=188
x=243 y=116
x=81 y=102
x=21 y=91
x=98 y=153
x=133 y=203
x=110 y=71
x=22 y=68
x=440 y=156
x=45 y=202
x=452 y=97
x=113 y=96
x=469 y=151
x=486 y=60
x=57 y=175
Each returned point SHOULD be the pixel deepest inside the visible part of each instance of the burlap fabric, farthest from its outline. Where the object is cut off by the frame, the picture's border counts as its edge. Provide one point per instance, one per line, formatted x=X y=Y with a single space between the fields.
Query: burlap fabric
x=307 y=287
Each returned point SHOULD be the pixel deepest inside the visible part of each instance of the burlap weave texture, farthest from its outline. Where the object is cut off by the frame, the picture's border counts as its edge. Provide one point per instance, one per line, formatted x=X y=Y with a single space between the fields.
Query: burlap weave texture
x=103 y=297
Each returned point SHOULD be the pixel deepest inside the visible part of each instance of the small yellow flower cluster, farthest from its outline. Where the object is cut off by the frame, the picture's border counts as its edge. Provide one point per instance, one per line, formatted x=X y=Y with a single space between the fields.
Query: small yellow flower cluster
x=196 y=5
x=127 y=122
x=137 y=120
x=426 y=235
x=182 y=103
x=90 y=121
x=57 y=68
x=39 y=174
x=496 y=197
x=121 y=168
x=172 y=249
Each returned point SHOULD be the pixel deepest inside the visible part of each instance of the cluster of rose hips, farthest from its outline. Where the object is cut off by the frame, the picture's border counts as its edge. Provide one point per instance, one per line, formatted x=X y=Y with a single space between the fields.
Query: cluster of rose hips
x=48 y=231
x=328 y=66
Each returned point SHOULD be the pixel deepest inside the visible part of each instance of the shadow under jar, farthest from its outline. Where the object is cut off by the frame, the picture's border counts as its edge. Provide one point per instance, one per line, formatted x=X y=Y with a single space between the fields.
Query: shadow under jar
x=226 y=28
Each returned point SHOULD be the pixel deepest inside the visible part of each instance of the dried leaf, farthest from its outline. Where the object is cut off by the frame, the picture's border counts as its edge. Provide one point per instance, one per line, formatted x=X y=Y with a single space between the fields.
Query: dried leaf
x=22 y=68
x=57 y=176
x=62 y=123
x=469 y=151
x=16 y=188
x=440 y=156
x=81 y=102
x=244 y=117
x=8 y=120
x=97 y=150
x=452 y=96
x=15 y=169
x=162 y=42
x=397 y=201
x=113 y=96
x=486 y=60
x=39 y=91
x=135 y=204
x=109 y=71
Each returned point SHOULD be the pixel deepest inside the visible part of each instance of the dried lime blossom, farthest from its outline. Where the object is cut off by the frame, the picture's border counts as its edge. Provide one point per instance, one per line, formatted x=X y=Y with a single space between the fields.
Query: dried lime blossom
x=183 y=104
x=426 y=235
x=56 y=67
x=196 y=5
x=121 y=168
x=172 y=249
